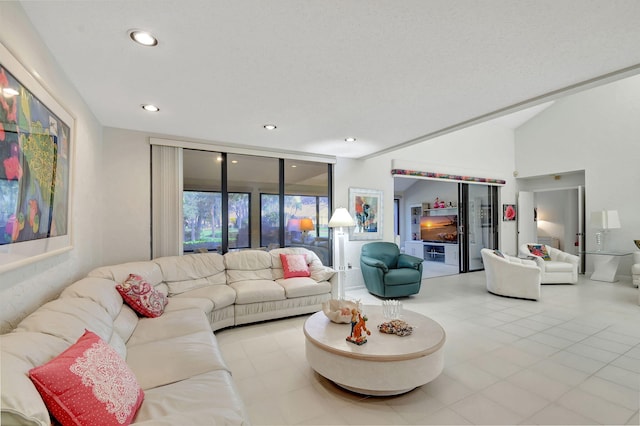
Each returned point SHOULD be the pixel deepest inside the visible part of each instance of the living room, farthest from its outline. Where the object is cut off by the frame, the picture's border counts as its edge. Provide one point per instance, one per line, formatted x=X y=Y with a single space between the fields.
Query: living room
x=592 y=128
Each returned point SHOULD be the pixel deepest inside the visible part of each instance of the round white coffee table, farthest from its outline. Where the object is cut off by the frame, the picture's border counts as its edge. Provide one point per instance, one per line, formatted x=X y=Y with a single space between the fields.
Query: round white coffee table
x=387 y=364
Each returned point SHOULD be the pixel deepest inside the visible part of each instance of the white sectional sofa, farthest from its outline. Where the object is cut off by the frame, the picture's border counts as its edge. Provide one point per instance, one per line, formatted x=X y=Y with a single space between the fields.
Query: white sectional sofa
x=174 y=357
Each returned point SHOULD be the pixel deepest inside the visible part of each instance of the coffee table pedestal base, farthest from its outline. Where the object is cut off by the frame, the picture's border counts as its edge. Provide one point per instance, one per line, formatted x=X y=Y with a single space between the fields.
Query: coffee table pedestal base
x=378 y=378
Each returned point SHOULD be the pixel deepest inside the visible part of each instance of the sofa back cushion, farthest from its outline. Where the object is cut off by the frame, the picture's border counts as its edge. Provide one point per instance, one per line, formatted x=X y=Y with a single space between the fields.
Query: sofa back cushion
x=191 y=271
x=318 y=271
x=247 y=265
x=67 y=318
x=20 y=352
x=150 y=271
x=103 y=292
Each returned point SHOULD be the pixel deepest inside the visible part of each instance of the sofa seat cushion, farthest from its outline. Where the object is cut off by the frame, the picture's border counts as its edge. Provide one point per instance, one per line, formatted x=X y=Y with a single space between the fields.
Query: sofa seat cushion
x=180 y=303
x=221 y=295
x=635 y=268
x=161 y=362
x=303 y=286
x=191 y=271
x=254 y=291
x=402 y=276
x=206 y=399
x=171 y=324
x=553 y=266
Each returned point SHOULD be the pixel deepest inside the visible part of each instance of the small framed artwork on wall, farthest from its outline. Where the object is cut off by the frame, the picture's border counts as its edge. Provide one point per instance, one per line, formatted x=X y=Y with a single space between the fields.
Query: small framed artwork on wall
x=508 y=212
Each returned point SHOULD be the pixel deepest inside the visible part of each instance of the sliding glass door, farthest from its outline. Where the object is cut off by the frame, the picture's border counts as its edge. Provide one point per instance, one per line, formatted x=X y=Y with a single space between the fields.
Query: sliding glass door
x=478 y=223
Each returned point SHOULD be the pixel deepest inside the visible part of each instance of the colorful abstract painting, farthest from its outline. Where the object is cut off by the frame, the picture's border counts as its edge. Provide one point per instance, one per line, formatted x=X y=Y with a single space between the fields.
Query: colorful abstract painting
x=34 y=165
x=365 y=206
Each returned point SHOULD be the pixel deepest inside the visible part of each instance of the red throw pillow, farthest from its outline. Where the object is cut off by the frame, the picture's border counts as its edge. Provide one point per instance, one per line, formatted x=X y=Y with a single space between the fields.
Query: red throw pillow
x=89 y=384
x=294 y=265
x=142 y=296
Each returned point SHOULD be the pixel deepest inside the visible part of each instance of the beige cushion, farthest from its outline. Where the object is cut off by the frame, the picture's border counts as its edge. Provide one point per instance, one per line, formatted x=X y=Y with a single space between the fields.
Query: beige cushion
x=254 y=291
x=67 y=318
x=220 y=295
x=125 y=323
x=552 y=266
x=247 y=265
x=168 y=325
x=191 y=271
x=150 y=271
x=179 y=303
x=209 y=398
x=101 y=291
x=161 y=362
x=319 y=272
x=303 y=286
x=20 y=353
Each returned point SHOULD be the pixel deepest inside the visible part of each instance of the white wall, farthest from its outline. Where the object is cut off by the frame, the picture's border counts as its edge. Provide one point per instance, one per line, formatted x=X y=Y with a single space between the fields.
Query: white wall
x=24 y=289
x=558 y=217
x=597 y=131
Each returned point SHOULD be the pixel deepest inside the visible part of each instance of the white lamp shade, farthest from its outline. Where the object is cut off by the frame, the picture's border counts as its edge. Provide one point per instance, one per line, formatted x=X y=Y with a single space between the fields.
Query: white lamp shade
x=341 y=217
x=605 y=219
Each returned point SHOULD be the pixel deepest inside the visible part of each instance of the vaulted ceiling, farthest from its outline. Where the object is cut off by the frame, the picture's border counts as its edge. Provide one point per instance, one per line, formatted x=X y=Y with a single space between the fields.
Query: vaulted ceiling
x=385 y=72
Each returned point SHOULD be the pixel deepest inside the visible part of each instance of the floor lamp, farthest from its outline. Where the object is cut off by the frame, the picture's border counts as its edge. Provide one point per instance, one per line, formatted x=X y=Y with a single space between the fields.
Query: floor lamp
x=341 y=219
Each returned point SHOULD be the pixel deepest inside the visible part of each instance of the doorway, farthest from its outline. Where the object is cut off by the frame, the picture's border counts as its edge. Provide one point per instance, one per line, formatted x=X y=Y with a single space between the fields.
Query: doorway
x=448 y=237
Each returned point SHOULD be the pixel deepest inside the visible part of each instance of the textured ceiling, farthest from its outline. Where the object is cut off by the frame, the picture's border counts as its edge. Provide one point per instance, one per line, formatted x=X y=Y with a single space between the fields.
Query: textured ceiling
x=385 y=72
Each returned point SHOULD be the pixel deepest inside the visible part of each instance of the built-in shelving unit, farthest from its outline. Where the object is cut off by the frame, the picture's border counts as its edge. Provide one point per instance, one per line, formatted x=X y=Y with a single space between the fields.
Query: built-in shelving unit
x=416 y=213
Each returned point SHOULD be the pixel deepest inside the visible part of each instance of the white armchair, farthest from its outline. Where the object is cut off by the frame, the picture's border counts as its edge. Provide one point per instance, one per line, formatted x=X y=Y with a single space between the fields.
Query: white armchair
x=511 y=276
x=559 y=268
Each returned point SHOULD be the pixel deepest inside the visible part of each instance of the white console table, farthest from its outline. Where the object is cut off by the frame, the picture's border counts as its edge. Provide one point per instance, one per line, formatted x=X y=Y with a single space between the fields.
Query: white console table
x=605 y=264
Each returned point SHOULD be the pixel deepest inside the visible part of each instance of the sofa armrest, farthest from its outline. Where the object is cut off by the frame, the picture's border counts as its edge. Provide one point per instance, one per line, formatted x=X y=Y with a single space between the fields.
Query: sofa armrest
x=408 y=261
x=374 y=263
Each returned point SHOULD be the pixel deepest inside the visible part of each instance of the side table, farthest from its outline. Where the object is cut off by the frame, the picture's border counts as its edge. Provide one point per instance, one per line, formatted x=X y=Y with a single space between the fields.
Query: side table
x=605 y=264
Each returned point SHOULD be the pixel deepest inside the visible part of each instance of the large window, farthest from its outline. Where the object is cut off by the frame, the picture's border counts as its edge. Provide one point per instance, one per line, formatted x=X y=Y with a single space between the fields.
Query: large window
x=220 y=212
x=202 y=213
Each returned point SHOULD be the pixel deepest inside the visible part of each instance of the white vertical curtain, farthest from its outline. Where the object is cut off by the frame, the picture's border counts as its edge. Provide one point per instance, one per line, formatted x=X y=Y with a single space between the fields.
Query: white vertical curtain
x=166 y=201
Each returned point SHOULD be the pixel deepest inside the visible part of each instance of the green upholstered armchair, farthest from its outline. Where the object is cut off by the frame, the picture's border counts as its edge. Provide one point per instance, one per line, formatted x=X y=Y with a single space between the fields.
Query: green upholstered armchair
x=387 y=272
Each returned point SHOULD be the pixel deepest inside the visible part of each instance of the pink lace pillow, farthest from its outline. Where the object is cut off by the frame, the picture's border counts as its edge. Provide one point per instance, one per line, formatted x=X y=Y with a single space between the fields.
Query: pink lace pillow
x=88 y=384
x=294 y=265
x=142 y=296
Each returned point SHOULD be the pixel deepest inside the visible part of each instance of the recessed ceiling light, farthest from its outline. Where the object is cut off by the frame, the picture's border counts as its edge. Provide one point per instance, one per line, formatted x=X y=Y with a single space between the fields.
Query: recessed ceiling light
x=9 y=92
x=150 y=108
x=270 y=126
x=294 y=166
x=234 y=161
x=143 y=37
x=219 y=159
x=350 y=139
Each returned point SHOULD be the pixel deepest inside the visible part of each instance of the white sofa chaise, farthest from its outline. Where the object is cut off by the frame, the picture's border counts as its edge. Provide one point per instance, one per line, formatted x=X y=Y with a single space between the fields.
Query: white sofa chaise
x=511 y=276
x=560 y=268
x=174 y=357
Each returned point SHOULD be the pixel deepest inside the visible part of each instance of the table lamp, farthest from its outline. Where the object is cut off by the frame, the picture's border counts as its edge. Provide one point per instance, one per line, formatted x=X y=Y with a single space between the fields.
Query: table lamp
x=604 y=220
x=341 y=219
x=306 y=225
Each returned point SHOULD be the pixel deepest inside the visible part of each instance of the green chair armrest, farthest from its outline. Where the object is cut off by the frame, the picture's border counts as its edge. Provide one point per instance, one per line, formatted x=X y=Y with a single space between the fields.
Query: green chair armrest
x=408 y=261
x=375 y=263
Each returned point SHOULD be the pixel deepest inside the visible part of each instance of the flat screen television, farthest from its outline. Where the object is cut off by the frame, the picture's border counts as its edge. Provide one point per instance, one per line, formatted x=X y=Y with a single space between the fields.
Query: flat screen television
x=439 y=229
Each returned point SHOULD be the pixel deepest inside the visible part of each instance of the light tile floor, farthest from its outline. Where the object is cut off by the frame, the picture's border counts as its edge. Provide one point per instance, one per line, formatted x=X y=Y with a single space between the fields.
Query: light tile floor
x=572 y=357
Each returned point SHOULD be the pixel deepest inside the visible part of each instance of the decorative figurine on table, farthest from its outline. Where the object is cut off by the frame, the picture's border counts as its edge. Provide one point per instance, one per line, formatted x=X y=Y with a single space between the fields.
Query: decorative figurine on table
x=359 y=330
